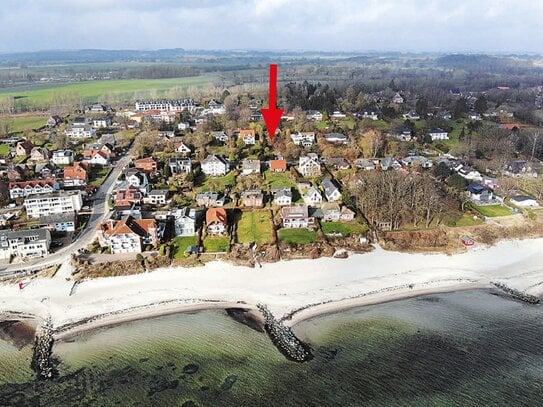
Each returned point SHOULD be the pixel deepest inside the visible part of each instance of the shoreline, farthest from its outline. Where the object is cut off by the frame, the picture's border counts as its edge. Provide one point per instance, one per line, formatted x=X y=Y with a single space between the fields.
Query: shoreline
x=294 y=290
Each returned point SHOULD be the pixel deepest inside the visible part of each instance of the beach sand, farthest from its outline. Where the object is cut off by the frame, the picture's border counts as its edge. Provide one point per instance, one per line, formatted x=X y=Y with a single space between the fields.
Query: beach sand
x=325 y=285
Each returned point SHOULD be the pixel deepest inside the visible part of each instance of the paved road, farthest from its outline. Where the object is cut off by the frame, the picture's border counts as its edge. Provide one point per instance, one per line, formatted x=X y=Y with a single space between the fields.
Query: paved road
x=99 y=211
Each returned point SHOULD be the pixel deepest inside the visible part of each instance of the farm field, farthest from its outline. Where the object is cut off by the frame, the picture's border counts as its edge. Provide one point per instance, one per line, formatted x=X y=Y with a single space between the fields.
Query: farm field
x=255 y=226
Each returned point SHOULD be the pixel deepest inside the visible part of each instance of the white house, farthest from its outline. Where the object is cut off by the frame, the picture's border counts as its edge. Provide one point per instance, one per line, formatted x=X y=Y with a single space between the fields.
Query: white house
x=24 y=243
x=157 y=197
x=63 y=157
x=250 y=167
x=524 y=201
x=305 y=139
x=282 y=196
x=296 y=217
x=312 y=196
x=185 y=221
x=53 y=203
x=101 y=122
x=331 y=190
x=20 y=189
x=314 y=115
x=214 y=166
x=179 y=165
x=309 y=165
x=438 y=134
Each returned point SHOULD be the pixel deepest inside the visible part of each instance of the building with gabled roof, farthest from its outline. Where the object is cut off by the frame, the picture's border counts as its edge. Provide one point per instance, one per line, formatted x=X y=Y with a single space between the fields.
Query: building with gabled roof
x=128 y=235
x=216 y=221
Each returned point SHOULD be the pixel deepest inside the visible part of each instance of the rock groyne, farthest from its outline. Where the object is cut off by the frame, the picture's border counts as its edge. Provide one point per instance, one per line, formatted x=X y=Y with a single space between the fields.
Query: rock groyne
x=517 y=294
x=43 y=362
x=284 y=338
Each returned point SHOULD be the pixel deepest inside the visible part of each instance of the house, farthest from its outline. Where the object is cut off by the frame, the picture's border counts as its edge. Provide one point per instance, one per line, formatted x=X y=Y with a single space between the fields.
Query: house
x=305 y=139
x=62 y=222
x=54 y=121
x=296 y=217
x=337 y=138
x=397 y=98
x=331 y=211
x=480 y=193
x=210 y=199
x=252 y=198
x=23 y=148
x=45 y=170
x=444 y=114
x=101 y=122
x=216 y=221
x=24 y=243
x=167 y=105
x=346 y=215
x=136 y=178
x=438 y=134
x=415 y=160
x=411 y=115
x=184 y=221
x=97 y=158
x=214 y=166
x=216 y=107
x=147 y=165
x=220 y=136
x=337 y=115
x=388 y=163
x=128 y=235
x=23 y=189
x=39 y=154
x=17 y=172
x=248 y=137
x=278 y=165
x=108 y=139
x=404 y=134
x=75 y=175
x=468 y=173
x=312 y=196
x=524 y=201
x=364 y=164
x=314 y=115
x=90 y=150
x=53 y=203
x=179 y=165
x=128 y=196
x=281 y=195
x=309 y=165
x=80 y=128
x=474 y=116
x=249 y=167
x=520 y=167
x=182 y=148
x=368 y=114
x=63 y=157
x=157 y=197
x=331 y=190
x=338 y=163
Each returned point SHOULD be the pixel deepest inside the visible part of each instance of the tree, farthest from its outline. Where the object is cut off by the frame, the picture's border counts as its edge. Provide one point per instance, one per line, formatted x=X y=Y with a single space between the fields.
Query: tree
x=422 y=107
x=442 y=171
x=460 y=108
x=480 y=105
x=457 y=182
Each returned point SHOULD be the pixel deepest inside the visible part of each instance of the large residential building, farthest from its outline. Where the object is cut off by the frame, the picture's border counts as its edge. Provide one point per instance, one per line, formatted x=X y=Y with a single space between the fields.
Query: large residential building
x=249 y=167
x=214 y=166
x=80 y=128
x=25 y=188
x=180 y=165
x=248 y=137
x=252 y=198
x=63 y=157
x=281 y=195
x=148 y=165
x=306 y=139
x=24 y=243
x=128 y=235
x=53 y=203
x=184 y=221
x=309 y=165
x=168 y=105
x=63 y=222
x=216 y=221
x=210 y=199
x=438 y=134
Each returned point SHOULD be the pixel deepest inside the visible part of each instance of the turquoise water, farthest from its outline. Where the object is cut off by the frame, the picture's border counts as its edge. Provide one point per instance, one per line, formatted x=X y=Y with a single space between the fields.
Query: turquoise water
x=469 y=348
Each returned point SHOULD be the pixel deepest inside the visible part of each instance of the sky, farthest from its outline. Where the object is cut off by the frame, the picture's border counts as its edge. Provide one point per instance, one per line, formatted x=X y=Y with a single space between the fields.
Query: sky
x=493 y=26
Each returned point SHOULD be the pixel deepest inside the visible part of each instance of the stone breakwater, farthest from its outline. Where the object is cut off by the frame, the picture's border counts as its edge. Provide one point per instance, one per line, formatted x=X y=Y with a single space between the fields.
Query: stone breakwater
x=284 y=339
x=517 y=294
x=43 y=362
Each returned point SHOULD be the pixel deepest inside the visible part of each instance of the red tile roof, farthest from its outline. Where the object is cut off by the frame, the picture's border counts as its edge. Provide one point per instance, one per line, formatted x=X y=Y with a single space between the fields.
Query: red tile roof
x=216 y=215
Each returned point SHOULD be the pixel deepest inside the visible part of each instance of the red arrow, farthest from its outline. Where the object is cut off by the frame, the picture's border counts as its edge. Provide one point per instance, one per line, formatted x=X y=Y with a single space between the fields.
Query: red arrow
x=272 y=115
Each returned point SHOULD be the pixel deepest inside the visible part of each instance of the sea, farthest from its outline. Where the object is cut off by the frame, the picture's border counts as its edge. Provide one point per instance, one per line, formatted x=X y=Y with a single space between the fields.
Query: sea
x=467 y=348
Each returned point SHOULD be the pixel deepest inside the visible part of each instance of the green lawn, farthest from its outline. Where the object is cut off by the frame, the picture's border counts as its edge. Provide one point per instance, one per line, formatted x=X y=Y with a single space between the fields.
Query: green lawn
x=213 y=244
x=321 y=125
x=454 y=134
x=345 y=228
x=4 y=150
x=99 y=175
x=94 y=90
x=180 y=244
x=466 y=220
x=255 y=226
x=297 y=236
x=348 y=122
x=227 y=180
x=22 y=123
x=492 y=210
x=278 y=179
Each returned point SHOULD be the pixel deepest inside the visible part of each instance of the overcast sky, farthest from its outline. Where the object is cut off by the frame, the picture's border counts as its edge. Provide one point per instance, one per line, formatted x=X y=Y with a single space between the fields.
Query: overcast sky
x=345 y=25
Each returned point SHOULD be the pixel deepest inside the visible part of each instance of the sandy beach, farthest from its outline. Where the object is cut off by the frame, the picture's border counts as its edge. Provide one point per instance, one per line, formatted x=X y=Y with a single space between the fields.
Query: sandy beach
x=296 y=290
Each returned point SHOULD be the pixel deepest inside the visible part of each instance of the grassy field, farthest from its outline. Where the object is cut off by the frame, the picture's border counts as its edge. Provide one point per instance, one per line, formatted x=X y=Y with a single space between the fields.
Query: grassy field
x=297 y=236
x=212 y=183
x=4 y=150
x=492 y=210
x=22 y=123
x=94 y=90
x=99 y=176
x=255 y=226
x=180 y=244
x=213 y=244
x=278 y=179
x=344 y=228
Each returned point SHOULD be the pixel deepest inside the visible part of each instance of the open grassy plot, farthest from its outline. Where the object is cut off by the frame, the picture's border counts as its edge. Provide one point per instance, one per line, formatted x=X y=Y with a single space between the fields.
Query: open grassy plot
x=278 y=179
x=4 y=150
x=492 y=210
x=213 y=244
x=344 y=228
x=255 y=226
x=297 y=236
x=321 y=125
x=99 y=175
x=22 y=123
x=466 y=220
x=180 y=244
x=94 y=90
x=213 y=183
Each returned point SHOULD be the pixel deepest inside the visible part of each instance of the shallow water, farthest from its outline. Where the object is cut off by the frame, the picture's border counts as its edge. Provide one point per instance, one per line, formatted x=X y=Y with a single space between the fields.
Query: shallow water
x=465 y=348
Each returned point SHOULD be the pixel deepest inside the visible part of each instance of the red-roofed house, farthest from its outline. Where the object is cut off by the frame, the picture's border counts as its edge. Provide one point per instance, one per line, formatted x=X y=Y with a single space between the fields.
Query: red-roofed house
x=216 y=221
x=23 y=189
x=75 y=175
x=147 y=165
x=128 y=235
x=128 y=196
x=278 y=165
